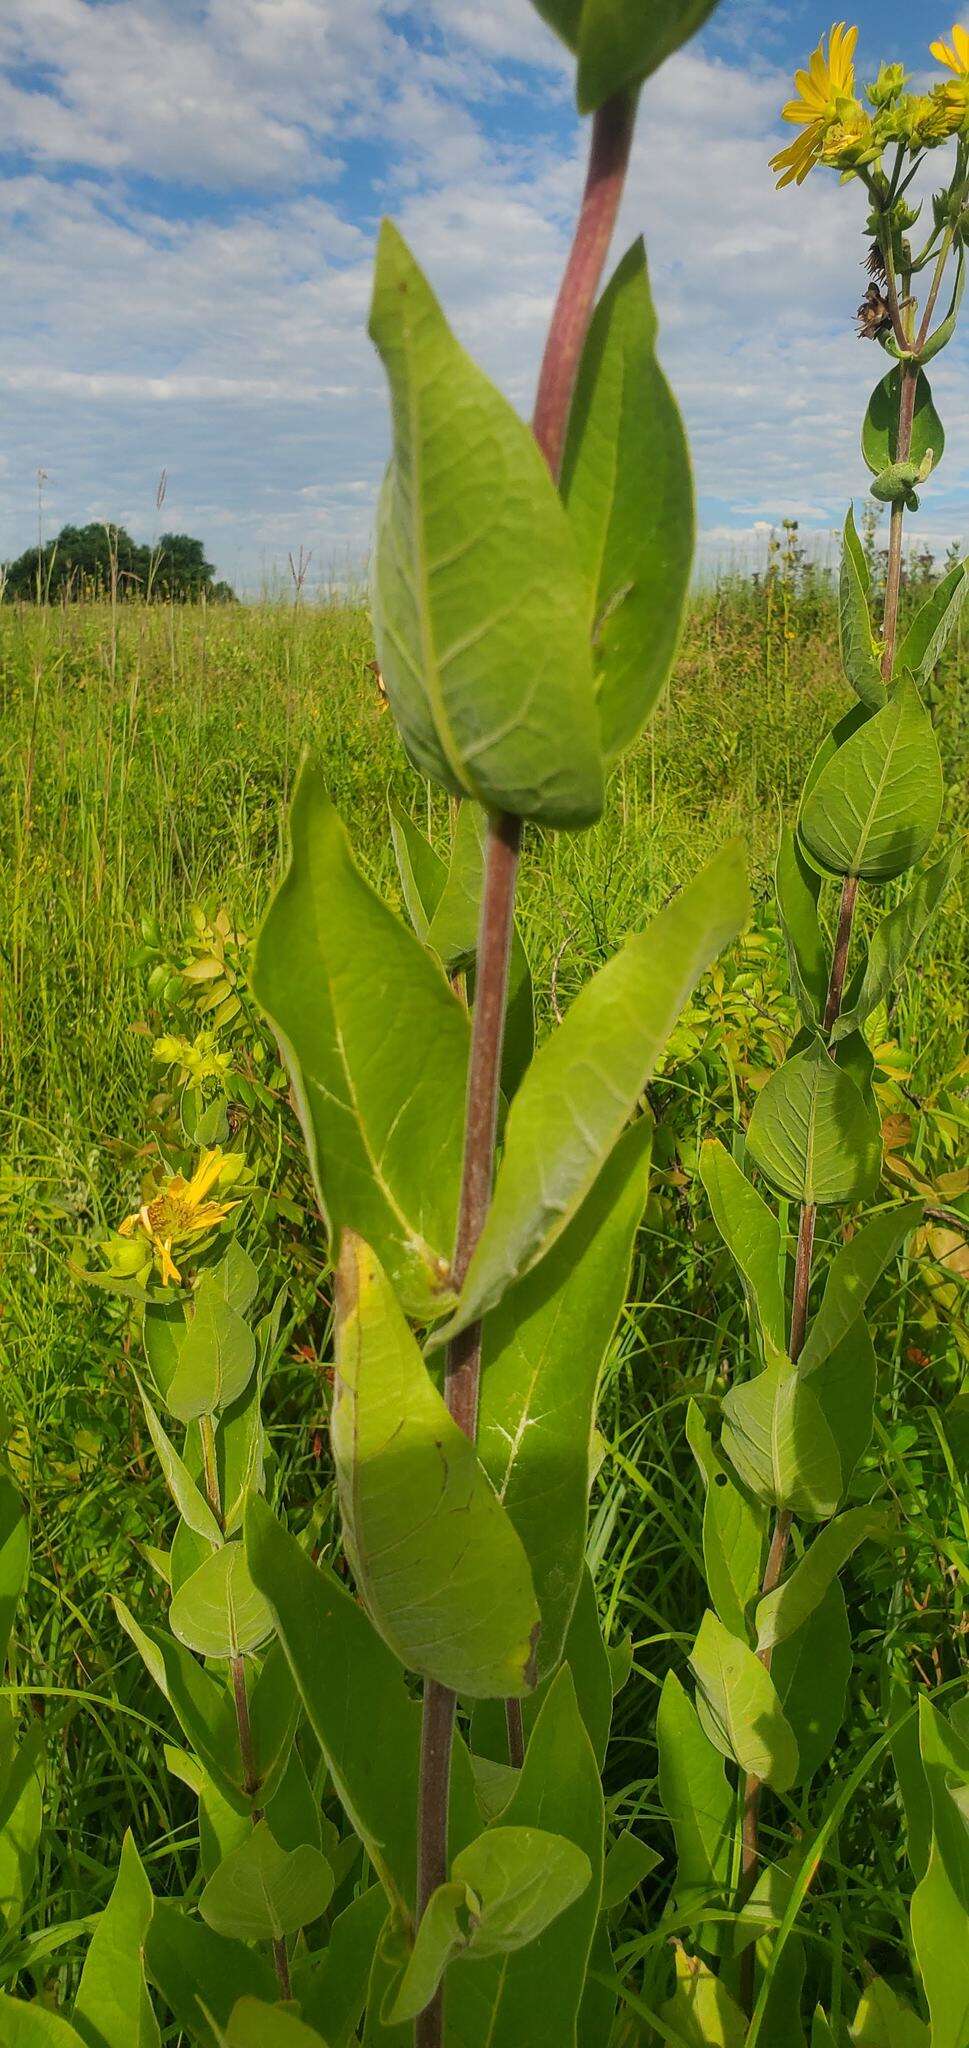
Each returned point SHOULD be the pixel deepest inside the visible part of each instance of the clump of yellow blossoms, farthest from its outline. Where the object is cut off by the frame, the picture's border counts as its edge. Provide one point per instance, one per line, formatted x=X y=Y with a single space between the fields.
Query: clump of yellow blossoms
x=840 y=130
x=177 y=1212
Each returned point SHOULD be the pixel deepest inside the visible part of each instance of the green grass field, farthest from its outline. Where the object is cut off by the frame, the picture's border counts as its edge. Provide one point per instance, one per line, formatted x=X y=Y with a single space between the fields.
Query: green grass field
x=146 y=759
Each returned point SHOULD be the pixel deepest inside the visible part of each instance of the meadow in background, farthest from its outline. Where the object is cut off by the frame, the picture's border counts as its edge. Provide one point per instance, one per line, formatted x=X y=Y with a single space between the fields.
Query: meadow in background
x=147 y=756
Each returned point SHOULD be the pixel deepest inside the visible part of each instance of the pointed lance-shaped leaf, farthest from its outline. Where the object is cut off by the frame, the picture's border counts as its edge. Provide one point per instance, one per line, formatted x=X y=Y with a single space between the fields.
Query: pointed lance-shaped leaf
x=112 y=2008
x=201 y=1975
x=422 y=872
x=586 y=1080
x=893 y=942
x=357 y=1703
x=810 y=1670
x=377 y=1049
x=781 y=1613
x=534 y=1995
x=437 y=1560
x=876 y=805
x=940 y=1906
x=734 y=1530
x=628 y=491
x=860 y=658
x=852 y=1274
x=751 y=1233
x=810 y=1133
x=776 y=1436
x=542 y=1354
x=478 y=604
x=14 y=1557
x=738 y=1706
x=925 y=642
x=699 y=1805
x=798 y=886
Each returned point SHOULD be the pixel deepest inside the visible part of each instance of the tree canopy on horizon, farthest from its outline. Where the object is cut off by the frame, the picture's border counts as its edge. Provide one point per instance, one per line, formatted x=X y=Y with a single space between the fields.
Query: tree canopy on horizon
x=89 y=561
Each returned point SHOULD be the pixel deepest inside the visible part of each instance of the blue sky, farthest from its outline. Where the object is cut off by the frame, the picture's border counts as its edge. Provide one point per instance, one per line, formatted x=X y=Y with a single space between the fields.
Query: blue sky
x=189 y=193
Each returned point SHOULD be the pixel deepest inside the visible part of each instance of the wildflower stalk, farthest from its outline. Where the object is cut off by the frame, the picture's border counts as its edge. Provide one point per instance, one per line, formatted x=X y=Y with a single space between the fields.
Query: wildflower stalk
x=610 y=144
x=237 y=1673
x=750 y=1854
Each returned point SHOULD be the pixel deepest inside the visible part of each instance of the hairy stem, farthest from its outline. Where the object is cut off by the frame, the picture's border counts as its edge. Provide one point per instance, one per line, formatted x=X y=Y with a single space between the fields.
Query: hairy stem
x=612 y=133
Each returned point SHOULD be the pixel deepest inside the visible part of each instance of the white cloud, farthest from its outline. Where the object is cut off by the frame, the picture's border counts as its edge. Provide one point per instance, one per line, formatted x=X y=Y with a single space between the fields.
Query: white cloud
x=223 y=335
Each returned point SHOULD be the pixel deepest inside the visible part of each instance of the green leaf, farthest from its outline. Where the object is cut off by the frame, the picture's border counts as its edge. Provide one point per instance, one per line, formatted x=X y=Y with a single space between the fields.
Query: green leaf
x=377 y=1048
x=505 y=1890
x=333 y=1997
x=589 y=1663
x=273 y=1719
x=14 y=1558
x=738 y=1707
x=453 y=934
x=776 y=1436
x=261 y=1892
x=237 y=1277
x=734 y=1529
x=621 y=42
x=946 y=328
x=628 y=1863
x=202 y=1975
x=925 y=642
x=216 y=1358
x=422 y=872
x=218 y=1612
x=534 y=1996
x=194 y=1510
x=478 y=600
x=22 y=1774
x=894 y=939
x=702 y=2012
x=32 y=2026
x=810 y=1673
x=781 y=1613
x=635 y=543
x=600 y=1998
x=860 y=657
x=357 y=1703
x=585 y=1081
x=203 y=1708
x=883 y=2020
x=876 y=806
x=810 y=1133
x=437 y=1560
x=453 y=930
x=851 y=1276
x=699 y=1805
x=751 y=1233
x=542 y=1354
x=798 y=887
x=879 y=434
x=240 y=1453
x=112 y=2008
x=940 y=1906
x=254 y=2024
x=844 y=1389
x=163 y=1334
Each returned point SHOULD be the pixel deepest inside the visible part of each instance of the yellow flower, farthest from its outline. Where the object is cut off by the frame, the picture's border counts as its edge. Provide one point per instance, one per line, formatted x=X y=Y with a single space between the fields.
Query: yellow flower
x=825 y=96
x=956 y=54
x=178 y=1212
x=954 y=93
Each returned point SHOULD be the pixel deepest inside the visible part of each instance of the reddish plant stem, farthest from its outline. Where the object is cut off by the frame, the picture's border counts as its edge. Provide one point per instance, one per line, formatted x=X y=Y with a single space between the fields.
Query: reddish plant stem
x=612 y=132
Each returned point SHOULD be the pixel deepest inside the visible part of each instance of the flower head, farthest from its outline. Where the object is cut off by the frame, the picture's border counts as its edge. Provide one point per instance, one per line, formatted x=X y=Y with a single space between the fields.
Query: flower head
x=177 y=1211
x=953 y=94
x=956 y=54
x=825 y=97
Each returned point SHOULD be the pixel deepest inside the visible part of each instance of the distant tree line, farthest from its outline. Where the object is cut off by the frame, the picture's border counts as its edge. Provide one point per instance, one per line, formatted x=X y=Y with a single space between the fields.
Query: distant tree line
x=92 y=561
